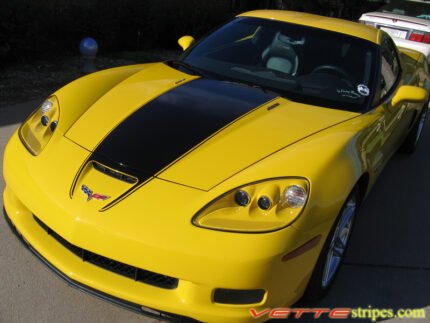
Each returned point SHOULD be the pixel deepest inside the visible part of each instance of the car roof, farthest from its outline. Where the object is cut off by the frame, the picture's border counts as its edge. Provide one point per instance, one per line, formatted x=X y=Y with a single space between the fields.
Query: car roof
x=333 y=24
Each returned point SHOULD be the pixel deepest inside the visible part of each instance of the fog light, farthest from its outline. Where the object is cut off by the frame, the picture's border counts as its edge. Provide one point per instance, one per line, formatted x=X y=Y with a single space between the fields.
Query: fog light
x=238 y=297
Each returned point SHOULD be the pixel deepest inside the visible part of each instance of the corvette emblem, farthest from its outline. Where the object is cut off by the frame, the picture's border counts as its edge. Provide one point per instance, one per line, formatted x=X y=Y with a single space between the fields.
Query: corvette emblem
x=90 y=195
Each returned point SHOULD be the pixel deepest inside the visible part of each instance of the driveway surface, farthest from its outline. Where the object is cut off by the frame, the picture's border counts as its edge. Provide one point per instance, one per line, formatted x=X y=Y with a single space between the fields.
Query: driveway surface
x=387 y=264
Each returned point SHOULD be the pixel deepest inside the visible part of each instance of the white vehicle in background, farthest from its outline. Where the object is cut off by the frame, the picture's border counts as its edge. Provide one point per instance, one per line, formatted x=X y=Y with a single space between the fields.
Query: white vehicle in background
x=406 y=21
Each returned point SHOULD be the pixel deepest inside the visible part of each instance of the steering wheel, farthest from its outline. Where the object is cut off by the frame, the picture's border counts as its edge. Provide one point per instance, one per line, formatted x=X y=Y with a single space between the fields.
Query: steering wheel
x=333 y=69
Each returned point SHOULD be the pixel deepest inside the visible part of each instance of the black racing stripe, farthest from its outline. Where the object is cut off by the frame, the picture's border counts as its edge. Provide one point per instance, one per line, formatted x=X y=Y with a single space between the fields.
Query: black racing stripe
x=172 y=124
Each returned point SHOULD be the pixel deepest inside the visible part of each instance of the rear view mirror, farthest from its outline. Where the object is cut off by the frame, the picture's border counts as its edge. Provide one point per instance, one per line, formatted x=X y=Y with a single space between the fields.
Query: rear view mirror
x=185 y=42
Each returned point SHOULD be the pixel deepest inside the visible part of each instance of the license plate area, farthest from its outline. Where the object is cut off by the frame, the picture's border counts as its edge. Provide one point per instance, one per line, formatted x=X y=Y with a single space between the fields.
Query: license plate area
x=397 y=33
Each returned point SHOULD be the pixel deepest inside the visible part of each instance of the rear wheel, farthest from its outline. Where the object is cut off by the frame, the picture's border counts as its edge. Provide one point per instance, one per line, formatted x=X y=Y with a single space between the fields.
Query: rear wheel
x=334 y=249
x=414 y=136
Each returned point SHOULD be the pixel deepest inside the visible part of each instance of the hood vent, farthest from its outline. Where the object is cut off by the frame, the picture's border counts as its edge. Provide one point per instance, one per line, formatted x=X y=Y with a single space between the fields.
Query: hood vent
x=115 y=174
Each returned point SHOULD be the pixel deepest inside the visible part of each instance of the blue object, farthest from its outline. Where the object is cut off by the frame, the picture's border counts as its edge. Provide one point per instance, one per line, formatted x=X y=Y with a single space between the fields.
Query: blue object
x=424 y=17
x=88 y=47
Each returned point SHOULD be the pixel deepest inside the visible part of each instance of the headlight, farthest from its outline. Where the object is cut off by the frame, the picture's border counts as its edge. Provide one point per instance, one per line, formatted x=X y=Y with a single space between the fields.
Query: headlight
x=259 y=207
x=36 y=132
x=296 y=196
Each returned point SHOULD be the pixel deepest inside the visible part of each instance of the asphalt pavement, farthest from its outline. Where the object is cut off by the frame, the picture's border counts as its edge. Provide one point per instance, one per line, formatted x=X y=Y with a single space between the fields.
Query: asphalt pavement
x=386 y=266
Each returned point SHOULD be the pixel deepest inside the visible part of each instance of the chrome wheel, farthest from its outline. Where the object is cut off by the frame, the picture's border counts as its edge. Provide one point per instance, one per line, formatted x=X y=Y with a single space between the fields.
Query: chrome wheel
x=339 y=241
x=421 y=123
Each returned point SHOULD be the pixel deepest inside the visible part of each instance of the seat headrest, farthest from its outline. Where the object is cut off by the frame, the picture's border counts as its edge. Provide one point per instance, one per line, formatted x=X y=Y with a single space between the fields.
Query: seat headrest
x=281 y=56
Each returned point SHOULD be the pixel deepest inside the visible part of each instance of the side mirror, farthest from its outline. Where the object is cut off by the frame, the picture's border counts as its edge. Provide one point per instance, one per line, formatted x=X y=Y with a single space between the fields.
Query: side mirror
x=185 y=42
x=409 y=93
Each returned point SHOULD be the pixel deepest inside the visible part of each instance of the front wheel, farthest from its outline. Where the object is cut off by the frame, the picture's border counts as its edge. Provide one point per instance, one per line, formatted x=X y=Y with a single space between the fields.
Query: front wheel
x=334 y=249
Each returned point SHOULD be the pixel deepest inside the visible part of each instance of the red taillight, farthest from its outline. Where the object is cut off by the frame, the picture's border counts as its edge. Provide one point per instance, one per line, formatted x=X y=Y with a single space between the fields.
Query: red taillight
x=416 y=37
x=420 y=37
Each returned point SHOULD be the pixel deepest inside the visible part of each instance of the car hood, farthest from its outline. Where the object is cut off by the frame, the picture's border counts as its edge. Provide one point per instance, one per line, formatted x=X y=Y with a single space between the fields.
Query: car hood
x=191 y=131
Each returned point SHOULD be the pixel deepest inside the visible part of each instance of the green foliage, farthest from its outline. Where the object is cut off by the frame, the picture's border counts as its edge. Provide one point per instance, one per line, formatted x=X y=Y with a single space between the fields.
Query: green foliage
x=31 y=28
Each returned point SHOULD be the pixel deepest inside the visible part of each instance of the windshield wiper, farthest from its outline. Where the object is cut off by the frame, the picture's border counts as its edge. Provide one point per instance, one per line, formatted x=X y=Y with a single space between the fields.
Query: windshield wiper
x=256 y=86
x=196 y=71
x=192 y=69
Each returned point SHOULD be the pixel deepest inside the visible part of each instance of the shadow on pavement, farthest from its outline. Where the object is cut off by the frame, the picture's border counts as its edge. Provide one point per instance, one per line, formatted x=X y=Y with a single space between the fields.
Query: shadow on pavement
x=17 y=113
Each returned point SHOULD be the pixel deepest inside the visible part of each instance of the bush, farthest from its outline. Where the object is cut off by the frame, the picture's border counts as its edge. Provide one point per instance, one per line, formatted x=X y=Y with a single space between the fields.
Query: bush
x=31 y=28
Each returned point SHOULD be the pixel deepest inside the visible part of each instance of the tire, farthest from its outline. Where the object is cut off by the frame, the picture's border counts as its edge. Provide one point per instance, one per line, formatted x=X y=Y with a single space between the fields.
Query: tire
x=331 y=256
x=413 y=138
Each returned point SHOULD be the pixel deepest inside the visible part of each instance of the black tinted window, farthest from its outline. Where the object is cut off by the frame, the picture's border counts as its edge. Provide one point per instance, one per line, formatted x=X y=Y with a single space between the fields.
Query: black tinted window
x=301 y=63
x=408 y=8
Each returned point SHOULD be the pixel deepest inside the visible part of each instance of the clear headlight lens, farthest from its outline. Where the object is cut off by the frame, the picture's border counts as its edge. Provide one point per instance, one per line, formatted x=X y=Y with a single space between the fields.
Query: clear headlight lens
x=36 y=132
x=258 y=207
x=296 y=196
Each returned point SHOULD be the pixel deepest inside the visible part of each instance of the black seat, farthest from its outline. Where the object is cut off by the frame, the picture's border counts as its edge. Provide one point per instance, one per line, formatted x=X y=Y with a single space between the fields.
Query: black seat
x=280 y=56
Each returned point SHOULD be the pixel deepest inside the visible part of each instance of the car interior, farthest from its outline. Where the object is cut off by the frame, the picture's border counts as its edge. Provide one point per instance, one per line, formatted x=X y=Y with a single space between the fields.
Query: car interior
x=291 y=59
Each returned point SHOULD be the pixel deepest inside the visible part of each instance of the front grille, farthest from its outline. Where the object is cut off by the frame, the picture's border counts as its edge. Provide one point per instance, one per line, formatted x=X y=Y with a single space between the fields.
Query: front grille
x=137 y=274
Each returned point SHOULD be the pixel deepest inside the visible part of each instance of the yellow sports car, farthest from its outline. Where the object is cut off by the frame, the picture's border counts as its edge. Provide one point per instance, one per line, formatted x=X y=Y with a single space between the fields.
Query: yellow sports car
x=224 y=181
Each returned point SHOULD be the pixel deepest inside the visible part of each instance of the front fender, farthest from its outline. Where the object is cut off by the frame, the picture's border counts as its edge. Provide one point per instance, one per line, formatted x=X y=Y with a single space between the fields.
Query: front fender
x=76 y=97
x=333 y=161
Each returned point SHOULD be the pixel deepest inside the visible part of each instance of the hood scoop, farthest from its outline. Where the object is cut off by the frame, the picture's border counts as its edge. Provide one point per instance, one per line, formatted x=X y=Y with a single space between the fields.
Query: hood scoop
x=114 y=173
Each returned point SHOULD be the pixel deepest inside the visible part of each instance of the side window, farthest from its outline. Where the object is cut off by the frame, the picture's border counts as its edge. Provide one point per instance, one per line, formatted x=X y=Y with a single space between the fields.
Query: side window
x=390 y=66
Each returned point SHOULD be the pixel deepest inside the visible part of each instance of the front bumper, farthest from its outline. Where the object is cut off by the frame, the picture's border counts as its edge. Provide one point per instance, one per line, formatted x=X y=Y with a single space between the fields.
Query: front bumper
x=109 y=298
x=284 y=282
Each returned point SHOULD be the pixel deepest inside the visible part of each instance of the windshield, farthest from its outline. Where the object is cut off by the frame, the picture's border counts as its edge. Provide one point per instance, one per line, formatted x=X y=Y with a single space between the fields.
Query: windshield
x=301 y=63
x=408 y=8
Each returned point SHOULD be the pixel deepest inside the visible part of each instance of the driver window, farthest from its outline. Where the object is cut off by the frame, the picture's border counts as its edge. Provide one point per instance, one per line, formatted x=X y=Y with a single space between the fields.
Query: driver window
x=390 y=67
